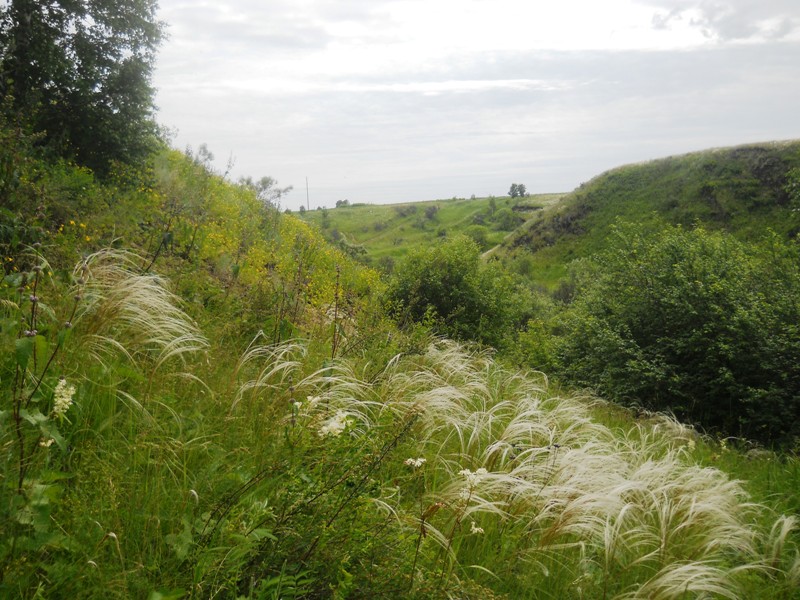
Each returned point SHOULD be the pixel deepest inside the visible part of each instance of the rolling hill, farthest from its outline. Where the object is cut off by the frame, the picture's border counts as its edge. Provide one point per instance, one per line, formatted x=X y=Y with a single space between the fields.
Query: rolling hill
x=741 y=190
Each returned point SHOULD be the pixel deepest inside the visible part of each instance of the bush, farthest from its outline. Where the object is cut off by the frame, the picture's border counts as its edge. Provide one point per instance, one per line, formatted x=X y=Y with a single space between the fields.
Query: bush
x=696 y=323
x=449 y=286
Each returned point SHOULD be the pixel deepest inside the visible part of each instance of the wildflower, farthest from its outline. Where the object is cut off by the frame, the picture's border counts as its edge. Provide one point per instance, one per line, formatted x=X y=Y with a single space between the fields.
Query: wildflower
x=62 y=398
x=414 y=463
x=88 y=238
x=472 y=481
x=83 y=225
x=473 y=478
x=474 y=528
x=46 y=443
x=335 y=425
x=297 y=405
x=71 y=222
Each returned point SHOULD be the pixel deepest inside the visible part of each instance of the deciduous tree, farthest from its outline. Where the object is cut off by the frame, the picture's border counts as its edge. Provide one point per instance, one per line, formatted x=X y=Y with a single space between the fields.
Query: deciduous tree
x=79 y=71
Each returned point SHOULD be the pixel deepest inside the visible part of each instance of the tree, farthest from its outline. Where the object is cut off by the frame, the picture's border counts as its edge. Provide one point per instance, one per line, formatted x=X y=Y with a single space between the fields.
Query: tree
x=79 y=72
x=517 y=190
x=266 y=190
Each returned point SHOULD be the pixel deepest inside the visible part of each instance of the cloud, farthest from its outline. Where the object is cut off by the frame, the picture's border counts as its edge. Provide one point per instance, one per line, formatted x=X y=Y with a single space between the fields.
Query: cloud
x=368 y=108
x=731 y=20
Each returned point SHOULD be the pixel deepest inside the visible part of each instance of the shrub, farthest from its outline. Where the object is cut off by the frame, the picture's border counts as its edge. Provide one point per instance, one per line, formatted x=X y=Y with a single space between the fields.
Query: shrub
x=448 y=285
x=693 y=322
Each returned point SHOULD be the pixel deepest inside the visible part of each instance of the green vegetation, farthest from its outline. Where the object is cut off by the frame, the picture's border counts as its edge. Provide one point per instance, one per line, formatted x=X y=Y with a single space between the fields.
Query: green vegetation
x=383 y=234
x=743 y=191
x=161 y=436
x=200 y=397
x=692 y=322
x=447 y=287
x=78 y=74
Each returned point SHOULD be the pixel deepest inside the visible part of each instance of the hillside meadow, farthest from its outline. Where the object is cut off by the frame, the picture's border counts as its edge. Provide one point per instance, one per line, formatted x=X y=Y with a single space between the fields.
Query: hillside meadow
x=382 y=234
x=202 y=398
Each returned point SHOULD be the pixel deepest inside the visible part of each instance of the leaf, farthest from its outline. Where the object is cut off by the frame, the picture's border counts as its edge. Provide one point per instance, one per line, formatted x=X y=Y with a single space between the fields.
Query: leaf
x=41 y=346
x=24 y=349
x=34 y=417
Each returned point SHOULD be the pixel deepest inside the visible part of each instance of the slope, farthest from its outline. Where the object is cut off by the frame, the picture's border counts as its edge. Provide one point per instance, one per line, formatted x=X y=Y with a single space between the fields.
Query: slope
x=741 y=190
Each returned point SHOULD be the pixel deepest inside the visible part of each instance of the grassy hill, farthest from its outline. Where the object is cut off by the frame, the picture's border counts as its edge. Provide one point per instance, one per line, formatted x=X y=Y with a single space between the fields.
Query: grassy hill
x=200 y=397
x=740 y=190
x=385 y=233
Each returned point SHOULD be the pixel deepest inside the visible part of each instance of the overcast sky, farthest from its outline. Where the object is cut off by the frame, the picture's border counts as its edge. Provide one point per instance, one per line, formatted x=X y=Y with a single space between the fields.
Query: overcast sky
x=391 y=101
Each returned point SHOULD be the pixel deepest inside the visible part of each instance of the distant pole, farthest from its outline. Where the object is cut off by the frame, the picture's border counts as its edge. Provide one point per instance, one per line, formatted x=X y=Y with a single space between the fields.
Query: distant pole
x=308 y=203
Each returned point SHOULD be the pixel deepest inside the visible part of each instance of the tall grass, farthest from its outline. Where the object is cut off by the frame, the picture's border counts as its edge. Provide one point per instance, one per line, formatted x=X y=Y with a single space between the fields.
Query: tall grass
x=283 y=473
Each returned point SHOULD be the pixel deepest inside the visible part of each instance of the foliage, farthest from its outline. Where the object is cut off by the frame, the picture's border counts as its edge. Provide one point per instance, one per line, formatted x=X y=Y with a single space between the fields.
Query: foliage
x=448 y=286
x=742 y=190
x=692 y=322
x=517 y=190
x=80 y=73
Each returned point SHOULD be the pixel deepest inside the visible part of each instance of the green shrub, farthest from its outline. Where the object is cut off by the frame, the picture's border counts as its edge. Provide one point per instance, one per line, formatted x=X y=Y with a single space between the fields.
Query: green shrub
x=447 y=285
x=693 y=322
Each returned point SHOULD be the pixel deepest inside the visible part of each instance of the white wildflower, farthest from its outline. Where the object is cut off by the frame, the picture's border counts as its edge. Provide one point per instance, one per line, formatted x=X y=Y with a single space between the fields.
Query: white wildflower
x=414 y=463
x=46 y=443
x=472 y=481
x=62 y=398
x=297 y=406
x=335 y=425
x=475 y=529
x=473 y=478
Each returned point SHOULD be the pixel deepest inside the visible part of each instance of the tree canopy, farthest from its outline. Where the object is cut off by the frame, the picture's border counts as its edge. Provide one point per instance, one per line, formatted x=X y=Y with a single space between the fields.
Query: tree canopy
x=79 y=70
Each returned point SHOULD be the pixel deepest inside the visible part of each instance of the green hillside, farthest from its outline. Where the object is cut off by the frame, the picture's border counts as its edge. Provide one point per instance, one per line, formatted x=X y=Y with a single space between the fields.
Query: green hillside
x=741 y=190
x=200 y=397
x=384 y=233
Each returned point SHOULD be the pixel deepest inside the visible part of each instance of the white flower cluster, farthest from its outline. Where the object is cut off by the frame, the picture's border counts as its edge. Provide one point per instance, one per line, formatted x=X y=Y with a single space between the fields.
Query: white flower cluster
x=62 y=398
x=414 y=463
x=335 y=425
x=475 y=529
x=472 y=481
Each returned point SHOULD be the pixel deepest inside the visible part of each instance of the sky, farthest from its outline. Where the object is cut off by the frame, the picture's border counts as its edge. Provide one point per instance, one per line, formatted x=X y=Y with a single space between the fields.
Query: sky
x=382 y=101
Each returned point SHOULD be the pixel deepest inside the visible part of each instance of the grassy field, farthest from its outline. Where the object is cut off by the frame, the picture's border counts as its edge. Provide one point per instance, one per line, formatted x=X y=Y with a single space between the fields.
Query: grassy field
x=209 y=403
x=387 y=231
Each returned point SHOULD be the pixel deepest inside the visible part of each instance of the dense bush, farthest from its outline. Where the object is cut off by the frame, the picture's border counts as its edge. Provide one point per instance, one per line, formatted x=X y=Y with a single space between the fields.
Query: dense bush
x=449 y=286
x=693 y=322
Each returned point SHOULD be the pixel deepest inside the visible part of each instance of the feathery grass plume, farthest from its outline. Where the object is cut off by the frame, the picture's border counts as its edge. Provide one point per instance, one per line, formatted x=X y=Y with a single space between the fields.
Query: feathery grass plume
x=628 y=500
x=271 y=366
x=678 y=580
x=130 y=313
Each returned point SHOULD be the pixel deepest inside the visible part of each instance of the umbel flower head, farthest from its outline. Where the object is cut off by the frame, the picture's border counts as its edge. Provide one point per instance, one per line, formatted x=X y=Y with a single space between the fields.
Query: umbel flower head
x=335 y=425
x=62 y=398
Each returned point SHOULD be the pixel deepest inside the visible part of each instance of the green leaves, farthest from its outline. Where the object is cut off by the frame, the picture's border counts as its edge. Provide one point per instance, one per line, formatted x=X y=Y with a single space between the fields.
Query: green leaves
x=693 y=322
x=448 y=285
x=26 y=348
